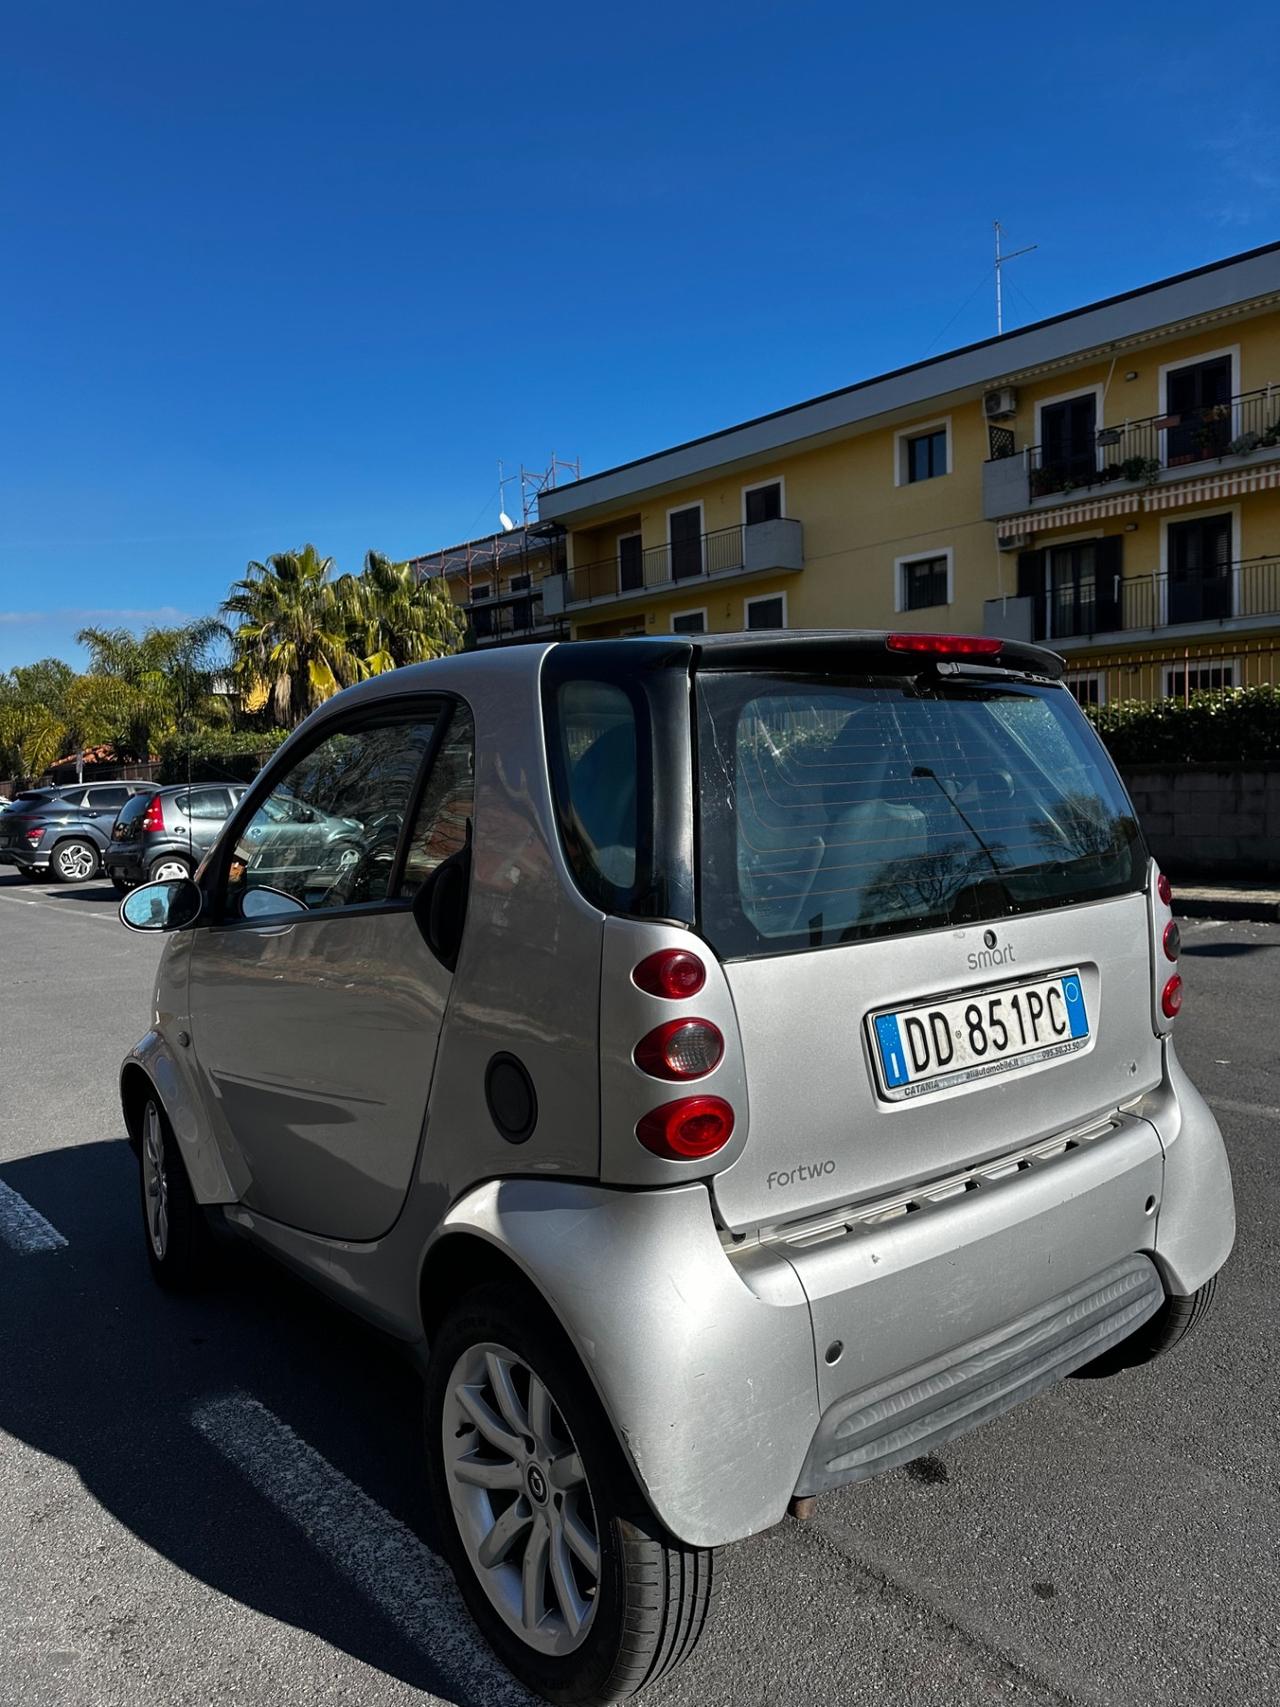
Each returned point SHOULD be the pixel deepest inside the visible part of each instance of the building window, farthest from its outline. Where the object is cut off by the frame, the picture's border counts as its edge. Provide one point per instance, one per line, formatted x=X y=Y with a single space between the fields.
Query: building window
x=1088 y=686
x=769 y=610
x=481 y=590
x=689 y=622
x=762 y=503
x=1198 y=404
x=520 y=583
x=927 y=456
x=922 y=453
x=924 y=582
x=1182 y=680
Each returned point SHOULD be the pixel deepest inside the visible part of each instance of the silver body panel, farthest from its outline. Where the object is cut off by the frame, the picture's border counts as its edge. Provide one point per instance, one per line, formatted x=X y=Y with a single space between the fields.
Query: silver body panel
x=702 y=1300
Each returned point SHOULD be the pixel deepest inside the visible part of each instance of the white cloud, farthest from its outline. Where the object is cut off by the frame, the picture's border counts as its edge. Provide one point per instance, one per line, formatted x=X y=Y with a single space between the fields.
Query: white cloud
x=162 y=615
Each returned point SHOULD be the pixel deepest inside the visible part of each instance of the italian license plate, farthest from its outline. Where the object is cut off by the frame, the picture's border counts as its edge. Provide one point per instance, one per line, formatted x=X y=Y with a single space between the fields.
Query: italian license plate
x=927 y=1048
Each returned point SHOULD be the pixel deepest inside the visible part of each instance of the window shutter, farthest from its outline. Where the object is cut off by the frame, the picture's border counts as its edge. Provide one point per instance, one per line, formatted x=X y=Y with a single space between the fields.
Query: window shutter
x=1108 y=561
x=1031 y=586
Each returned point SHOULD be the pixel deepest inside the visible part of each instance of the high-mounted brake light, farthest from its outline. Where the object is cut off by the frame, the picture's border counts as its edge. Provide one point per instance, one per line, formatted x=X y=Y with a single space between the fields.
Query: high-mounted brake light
x=1171 y=998
x=153 y=817
x=671 y=972
x=687 y=1130
x=947 y=645
x=1164 y=889
x=680 y=1049
x=1172 y=940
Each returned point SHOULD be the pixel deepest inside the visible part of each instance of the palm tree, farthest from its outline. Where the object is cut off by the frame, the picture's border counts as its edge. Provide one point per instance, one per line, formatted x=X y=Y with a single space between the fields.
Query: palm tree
x=394 y=617
x=150 y=688
x=33 y=717
x=290 y=641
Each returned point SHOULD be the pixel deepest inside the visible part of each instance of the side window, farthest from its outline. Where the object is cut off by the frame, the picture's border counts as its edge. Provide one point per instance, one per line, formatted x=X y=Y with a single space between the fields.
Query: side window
x=326 y=835
x=210 y=804
x=599 y=756
x=448 y=801
x=106 y=799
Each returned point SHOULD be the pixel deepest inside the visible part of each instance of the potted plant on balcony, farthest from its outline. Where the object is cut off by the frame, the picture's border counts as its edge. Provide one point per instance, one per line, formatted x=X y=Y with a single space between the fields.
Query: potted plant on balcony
x=1144 y=470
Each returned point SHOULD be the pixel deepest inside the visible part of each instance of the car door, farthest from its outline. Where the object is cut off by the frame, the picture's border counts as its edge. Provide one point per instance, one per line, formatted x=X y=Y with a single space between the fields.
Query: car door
x=315 y=1003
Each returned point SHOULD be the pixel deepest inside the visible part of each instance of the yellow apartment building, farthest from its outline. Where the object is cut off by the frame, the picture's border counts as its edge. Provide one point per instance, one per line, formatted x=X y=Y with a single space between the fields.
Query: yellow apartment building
x=498 y=580
x=1106 y=481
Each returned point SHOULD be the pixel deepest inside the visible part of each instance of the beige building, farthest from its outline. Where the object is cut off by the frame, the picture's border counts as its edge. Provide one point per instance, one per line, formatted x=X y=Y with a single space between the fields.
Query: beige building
x=1107 y=481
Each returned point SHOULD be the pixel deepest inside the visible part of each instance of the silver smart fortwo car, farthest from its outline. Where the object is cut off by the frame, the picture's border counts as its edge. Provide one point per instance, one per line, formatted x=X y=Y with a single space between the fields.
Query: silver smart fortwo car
x=741 y=1062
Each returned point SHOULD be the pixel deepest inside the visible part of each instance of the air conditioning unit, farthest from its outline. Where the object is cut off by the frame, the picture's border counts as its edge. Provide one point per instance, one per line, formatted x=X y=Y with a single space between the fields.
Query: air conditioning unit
x=1000 y=405
x=1013 y=541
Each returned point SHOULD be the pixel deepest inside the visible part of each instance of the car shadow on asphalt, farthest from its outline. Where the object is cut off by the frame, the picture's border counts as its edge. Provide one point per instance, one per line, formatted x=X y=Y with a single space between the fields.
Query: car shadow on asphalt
x=96 y=892
x=103 y=1370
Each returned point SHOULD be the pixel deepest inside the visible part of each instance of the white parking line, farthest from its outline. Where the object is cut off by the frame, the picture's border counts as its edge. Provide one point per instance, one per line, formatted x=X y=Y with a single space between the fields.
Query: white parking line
x=23 y=1228
x=378 y=1554
x=57 y=907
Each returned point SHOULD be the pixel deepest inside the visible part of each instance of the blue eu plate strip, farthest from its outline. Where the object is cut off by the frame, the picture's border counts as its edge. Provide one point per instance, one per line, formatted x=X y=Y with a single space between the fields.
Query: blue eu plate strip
x=892 y=1057
x=1073 y=996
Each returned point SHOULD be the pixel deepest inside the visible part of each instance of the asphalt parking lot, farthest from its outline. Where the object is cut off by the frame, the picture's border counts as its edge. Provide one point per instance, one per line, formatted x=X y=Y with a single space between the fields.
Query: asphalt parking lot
x=221 y=1499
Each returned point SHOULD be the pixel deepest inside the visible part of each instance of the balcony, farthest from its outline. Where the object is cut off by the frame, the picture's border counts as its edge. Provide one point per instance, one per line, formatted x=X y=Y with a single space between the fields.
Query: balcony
x=1234 y=594
x=1135 y=454
x=729 y=554
x=510 y=616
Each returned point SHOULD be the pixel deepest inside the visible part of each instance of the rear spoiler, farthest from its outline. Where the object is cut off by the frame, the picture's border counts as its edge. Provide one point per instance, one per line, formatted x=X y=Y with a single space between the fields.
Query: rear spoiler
x=892 y=652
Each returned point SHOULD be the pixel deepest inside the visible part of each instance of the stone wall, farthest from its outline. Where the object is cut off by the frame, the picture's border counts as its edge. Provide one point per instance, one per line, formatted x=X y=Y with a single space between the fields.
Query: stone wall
x=1210 y=820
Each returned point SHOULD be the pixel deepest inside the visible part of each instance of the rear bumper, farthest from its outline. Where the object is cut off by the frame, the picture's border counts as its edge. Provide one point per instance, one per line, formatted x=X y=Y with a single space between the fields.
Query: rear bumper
x=737 y=1378
x=28 y=859
x=123 y=862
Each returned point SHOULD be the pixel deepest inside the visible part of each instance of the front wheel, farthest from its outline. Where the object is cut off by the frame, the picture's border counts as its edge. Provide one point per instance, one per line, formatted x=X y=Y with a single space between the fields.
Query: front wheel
x=572 y=1581
x=173 y=1222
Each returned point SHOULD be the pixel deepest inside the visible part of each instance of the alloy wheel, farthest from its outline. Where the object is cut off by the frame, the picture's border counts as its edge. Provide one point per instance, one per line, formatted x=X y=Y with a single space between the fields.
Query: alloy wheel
x=168 y=870
x=155 y=1186
x=521 y=1499
x=76 y=862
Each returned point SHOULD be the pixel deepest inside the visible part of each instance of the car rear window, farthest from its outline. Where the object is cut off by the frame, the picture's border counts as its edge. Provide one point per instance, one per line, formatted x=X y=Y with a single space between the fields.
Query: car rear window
x=133 y=808
x=834 y=810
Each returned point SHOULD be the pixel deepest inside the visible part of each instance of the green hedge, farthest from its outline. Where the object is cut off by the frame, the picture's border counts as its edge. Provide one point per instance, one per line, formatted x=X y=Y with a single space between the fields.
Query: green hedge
x=1233 y=726
x=222 y=755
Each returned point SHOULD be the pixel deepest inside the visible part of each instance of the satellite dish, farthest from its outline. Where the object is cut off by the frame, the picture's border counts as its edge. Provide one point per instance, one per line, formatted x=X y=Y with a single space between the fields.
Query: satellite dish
x=508 y=526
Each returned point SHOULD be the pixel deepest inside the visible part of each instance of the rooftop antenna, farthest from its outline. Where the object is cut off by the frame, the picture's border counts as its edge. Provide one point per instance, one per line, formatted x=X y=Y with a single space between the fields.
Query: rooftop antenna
x=1000 y=261
x=504 y=520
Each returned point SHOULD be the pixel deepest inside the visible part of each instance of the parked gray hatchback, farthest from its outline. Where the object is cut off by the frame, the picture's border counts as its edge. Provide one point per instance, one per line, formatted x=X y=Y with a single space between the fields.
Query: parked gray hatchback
x=740 y=1063
x=166 y=832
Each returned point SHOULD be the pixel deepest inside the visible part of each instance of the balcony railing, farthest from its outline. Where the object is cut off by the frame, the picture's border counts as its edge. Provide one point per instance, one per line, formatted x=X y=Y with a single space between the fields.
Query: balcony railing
x=1249 y=588
x=517 y=616
x=1138 y=452
x=745 y=549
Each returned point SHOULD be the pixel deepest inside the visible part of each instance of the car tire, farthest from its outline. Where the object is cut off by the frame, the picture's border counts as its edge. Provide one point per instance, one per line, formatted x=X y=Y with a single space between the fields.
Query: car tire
x=1170 y=1325
x=173 y=1224
x=544 y=1515
x=74 y=861
x=169 y=866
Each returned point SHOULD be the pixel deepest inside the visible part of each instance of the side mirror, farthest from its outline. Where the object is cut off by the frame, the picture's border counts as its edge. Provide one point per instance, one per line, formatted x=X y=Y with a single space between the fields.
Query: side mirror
x=168 y=906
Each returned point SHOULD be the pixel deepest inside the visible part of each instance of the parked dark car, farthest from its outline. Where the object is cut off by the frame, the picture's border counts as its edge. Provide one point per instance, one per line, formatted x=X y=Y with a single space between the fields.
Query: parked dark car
x=166 y=832
x=62 y=833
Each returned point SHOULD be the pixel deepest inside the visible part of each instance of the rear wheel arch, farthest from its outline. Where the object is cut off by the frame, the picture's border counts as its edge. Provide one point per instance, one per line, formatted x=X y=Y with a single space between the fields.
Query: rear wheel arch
x=461 y=1262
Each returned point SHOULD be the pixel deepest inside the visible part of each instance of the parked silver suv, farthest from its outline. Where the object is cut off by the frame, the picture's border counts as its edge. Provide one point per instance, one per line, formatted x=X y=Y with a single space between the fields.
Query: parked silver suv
x=741 y=1062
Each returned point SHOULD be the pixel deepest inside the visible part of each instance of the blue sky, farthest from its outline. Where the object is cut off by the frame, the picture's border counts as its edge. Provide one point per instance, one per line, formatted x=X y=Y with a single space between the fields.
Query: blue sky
x=280 y=271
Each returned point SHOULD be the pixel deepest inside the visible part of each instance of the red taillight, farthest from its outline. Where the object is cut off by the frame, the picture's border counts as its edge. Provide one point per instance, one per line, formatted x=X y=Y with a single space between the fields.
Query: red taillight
x=1172 y=939
x=33 y=836
x=687 y=1130
x=947 y=645
x=671 y=972
x=1171 y=998
x=1164 y=889
x=153 y=817
x=680 y=1049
